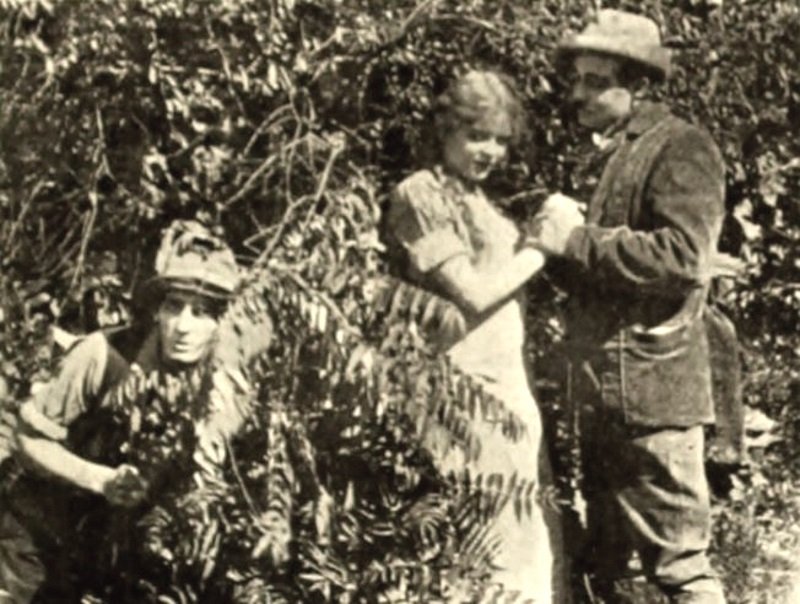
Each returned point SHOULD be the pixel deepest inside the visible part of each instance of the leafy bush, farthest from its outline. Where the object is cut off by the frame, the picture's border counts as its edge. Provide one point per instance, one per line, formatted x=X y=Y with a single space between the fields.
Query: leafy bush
x=286 y=121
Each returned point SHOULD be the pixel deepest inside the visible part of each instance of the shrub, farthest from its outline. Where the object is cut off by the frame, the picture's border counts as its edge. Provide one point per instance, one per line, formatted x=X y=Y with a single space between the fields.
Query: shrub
x=286 y=121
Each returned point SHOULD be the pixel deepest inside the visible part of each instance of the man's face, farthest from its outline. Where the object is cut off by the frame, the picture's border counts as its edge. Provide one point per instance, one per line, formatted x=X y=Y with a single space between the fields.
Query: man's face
x=187 y=324
x=473 y=150
x=600 y=99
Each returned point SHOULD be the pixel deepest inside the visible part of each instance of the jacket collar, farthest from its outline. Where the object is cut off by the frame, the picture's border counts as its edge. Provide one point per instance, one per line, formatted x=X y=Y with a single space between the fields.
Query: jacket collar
x=645 y=115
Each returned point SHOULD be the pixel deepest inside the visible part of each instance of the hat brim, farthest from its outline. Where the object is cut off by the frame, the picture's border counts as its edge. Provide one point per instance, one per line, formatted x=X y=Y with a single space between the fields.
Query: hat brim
x=655 y=59
x=157 y=287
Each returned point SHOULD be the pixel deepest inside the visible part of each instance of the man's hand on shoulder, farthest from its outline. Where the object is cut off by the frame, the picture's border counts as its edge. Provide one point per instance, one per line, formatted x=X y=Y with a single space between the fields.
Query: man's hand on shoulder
x=550 y=229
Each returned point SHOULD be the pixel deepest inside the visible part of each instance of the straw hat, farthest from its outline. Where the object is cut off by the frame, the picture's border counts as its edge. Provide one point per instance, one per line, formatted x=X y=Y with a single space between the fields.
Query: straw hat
x=620 y=34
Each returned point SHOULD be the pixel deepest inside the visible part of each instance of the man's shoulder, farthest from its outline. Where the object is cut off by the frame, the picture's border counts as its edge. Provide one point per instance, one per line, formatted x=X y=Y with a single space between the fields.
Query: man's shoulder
x=658 y=120
x=105 y=355
x=91 y=348
x=671 y=138
x=74 y=387
x=685 y=133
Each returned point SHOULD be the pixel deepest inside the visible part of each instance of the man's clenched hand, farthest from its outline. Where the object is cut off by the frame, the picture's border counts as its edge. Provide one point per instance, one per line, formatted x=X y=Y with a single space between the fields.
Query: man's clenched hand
x=124 y=486
x=550 y=229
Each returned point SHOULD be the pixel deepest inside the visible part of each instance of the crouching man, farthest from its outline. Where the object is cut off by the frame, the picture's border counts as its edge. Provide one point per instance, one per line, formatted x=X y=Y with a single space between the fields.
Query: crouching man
x=72 y=478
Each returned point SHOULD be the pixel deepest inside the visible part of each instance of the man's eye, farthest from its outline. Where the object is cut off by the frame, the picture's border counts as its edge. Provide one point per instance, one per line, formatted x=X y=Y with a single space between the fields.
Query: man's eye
x=478 y=136
x=202 y=310
x=593 y=81
x=172 y=306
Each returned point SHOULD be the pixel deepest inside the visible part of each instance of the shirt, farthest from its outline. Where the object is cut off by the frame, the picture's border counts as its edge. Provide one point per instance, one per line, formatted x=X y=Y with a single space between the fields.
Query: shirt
x=75 y=400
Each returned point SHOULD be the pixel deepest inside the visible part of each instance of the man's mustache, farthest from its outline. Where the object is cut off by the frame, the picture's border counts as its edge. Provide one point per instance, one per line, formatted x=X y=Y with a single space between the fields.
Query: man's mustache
x=571 y=108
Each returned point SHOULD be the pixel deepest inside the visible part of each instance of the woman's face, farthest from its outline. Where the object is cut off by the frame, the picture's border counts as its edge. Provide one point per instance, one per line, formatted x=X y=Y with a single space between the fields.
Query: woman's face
x=472 y=151
x=187 y=327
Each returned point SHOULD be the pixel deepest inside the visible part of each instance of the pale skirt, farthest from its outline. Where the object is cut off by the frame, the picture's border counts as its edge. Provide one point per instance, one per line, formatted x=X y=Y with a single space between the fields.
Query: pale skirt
x=530 y=562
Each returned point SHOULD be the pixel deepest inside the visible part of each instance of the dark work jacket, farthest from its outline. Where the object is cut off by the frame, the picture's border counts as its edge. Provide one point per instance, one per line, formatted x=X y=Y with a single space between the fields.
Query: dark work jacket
x=640 y=270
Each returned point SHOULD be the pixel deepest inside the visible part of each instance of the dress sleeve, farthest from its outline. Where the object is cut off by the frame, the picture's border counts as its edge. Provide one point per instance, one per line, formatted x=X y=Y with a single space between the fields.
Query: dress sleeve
x=76 y=385
x=419 y=221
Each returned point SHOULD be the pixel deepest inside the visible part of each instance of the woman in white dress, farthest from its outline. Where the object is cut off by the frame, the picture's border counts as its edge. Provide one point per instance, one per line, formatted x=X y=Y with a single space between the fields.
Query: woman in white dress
x=447 y=237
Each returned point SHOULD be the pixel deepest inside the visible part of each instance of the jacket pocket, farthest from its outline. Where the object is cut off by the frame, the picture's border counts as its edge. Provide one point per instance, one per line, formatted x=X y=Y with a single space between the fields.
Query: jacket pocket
x=665 y=376
x=659 y=343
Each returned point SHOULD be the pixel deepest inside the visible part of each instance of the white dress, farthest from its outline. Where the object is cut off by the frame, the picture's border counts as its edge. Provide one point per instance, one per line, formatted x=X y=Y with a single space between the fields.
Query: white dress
x=434 y=217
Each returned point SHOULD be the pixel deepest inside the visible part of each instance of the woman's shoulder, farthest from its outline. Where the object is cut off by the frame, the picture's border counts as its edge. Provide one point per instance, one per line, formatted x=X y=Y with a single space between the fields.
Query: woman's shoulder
x=420 y=199
x=417 y=183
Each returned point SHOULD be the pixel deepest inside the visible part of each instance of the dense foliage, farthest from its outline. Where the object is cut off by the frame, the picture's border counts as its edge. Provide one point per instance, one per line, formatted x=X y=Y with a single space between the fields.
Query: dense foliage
x=285 y=122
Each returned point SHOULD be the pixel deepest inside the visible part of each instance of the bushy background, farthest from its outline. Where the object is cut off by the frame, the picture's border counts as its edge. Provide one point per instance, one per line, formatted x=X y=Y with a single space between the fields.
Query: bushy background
x=286 y=122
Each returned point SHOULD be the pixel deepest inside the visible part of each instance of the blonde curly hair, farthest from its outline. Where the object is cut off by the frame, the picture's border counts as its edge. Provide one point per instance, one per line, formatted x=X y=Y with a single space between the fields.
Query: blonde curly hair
x=475 y=94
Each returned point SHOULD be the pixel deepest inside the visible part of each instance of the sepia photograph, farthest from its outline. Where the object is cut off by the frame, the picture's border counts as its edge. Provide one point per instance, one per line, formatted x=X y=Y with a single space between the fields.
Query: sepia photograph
x=399 y=302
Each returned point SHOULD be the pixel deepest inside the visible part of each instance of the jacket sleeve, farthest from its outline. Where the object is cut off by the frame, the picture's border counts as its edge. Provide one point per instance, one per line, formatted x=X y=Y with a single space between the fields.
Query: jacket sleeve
x=682 y=206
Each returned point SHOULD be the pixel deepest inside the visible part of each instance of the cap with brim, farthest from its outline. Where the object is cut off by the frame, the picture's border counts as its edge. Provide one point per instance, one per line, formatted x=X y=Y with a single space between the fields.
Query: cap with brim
x=622 y=35
x=191 y=259
x=160 y=286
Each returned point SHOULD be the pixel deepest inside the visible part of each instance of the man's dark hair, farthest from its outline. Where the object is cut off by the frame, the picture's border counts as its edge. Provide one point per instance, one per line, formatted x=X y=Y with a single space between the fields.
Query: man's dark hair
x=635 y=75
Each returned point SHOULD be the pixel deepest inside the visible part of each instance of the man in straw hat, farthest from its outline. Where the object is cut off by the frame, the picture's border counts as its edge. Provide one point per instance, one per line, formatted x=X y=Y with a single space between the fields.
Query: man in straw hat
x=638 y=273
x=71 y=472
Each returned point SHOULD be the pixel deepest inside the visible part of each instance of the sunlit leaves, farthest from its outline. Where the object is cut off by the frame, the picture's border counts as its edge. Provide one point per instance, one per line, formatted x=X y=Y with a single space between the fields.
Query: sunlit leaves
x=286 y=121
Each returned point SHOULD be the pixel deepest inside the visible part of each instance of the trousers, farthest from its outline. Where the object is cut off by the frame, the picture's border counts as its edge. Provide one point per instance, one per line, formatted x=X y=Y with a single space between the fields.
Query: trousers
x=647 y=493
x=47 y=555
x=22 y=568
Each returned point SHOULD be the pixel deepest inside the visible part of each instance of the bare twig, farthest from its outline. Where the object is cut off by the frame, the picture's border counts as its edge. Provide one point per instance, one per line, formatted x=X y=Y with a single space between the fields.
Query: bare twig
x=406 y=25
x=87 y=235
x=226 y=66
x=711 y=88
x=252 y=180
x=336 y=149
x=240 y=481
x=26 y=205
x=101 y=163
x=482 y=23
x=330 y=40
x=263 y=127
x=288 y=160
x=62 y=259
x=266 y=231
